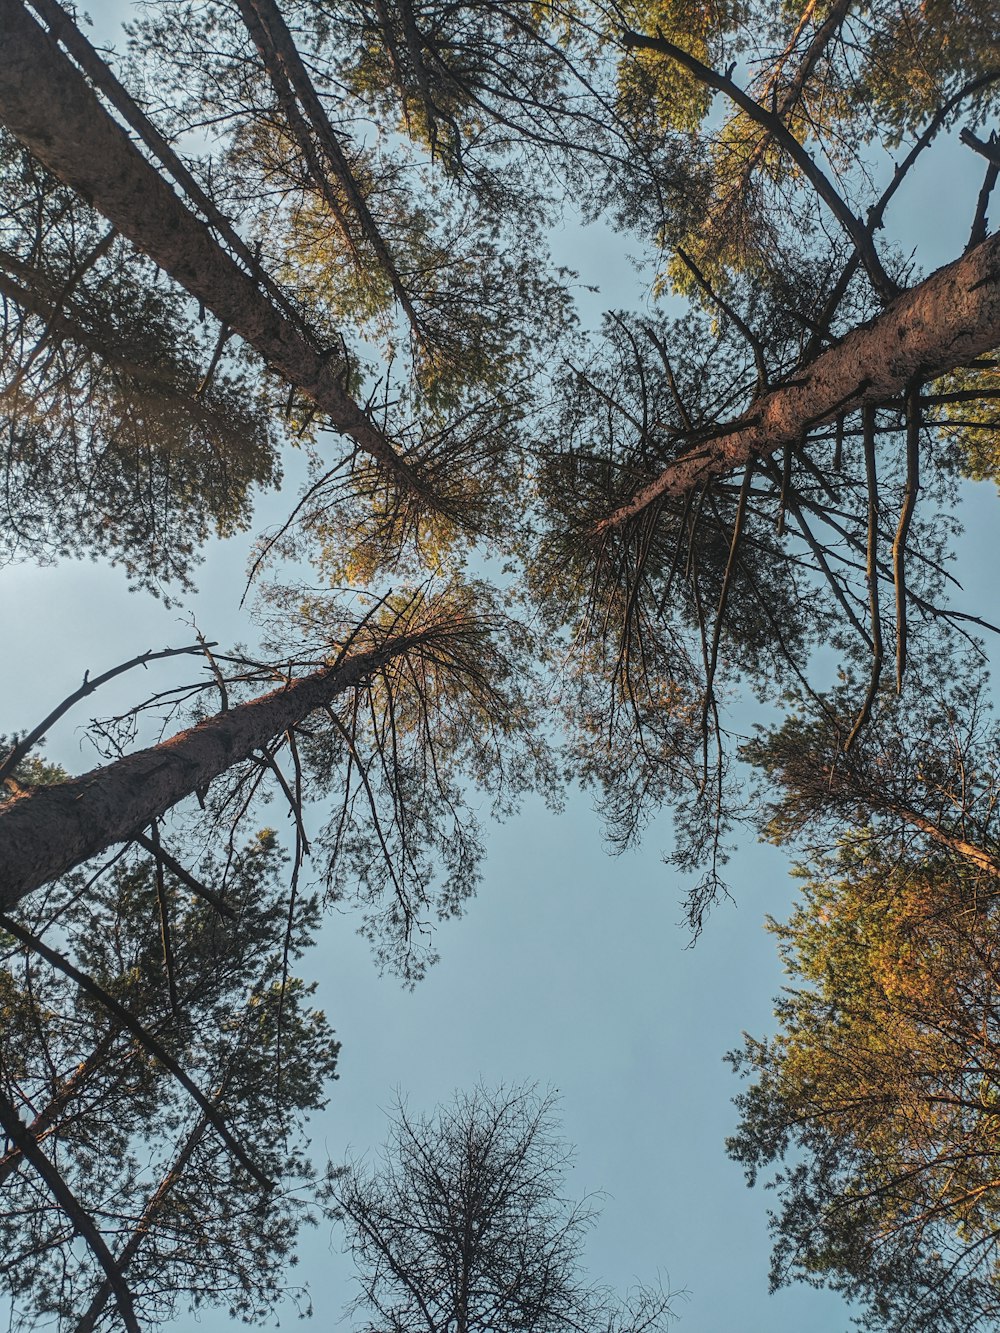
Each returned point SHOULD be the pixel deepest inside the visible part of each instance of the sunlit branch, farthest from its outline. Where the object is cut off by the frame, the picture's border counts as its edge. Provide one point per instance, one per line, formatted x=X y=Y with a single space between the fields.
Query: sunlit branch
x=851 y=223
x=948 y=320
x=24 y=746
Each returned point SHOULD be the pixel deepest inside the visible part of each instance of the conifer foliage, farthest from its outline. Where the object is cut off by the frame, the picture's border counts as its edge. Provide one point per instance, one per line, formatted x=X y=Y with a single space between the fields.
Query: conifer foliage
x=525 y=550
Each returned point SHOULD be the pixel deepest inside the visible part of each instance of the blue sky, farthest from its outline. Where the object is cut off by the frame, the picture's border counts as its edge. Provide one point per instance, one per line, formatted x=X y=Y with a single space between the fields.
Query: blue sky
x=569 y=968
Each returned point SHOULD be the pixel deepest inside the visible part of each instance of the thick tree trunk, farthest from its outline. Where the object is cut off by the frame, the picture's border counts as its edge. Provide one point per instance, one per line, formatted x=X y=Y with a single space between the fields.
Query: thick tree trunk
x=46 y=104
x=67 y=34
x=942 y=323
x=46 y=831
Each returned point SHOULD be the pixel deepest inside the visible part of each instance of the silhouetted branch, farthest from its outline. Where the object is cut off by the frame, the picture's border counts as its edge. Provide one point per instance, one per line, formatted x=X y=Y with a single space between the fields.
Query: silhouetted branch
x=154 y=1047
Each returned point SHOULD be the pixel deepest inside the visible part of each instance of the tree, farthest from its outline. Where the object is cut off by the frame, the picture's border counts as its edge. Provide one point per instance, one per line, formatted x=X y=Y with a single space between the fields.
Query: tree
x=802 y=384
x=688 y=504
x=463 y=1227
x=98 y=159
x=921 y=776
x=390 y=715
x=873 y=1111
x=104 y=1144
x=123 y=434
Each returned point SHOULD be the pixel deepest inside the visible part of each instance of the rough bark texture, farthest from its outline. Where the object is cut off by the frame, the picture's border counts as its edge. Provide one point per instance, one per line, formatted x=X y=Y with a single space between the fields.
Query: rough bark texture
x=65 y=31
x=47 y=831
x=944 y=322
x=46 y=104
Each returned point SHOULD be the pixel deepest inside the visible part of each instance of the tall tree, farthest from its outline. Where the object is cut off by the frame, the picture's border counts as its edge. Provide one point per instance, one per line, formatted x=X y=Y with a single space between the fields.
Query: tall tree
x=391 y=717
x=96 y=157
x=463 y=1227
x=124 y=434
x=873 y=1110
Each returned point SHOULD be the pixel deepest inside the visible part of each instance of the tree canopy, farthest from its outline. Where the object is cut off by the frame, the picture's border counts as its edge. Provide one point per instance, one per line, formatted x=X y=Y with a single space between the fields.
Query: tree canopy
x=464 y=1226
x=528 y=551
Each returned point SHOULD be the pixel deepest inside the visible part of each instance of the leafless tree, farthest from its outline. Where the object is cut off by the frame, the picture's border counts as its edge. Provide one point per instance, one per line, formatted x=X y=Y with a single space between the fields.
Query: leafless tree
x=463 y=1227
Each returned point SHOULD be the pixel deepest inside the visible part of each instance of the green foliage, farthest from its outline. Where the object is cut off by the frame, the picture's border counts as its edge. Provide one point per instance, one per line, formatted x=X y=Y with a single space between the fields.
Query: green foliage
x=113 y=441
x=969 y=423
x=873 y=1110
x=407 y=227
x=650 y=86
x=914 y=56
x=412 y=759
x=879 y=1091
x=186 y=1222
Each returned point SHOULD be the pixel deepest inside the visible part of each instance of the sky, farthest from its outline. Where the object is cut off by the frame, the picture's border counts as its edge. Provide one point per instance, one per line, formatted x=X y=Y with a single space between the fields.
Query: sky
x=569 y=968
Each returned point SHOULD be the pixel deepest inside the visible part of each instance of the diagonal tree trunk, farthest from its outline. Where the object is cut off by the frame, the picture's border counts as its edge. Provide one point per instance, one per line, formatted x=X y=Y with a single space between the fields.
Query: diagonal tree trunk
x=969 y=851
x=46 y=831
x=46 y=104
x=48 y=1118
x=17 y=1133
x=293 y=86
x=942 y=323
x=65 y=31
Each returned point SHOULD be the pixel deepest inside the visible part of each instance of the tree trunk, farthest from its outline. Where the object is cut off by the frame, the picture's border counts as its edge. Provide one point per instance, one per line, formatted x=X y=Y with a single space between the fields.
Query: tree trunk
x=975 y=855
x=290 y=80
x=942 y=323
x=46 y=831
x=46 y=104
x=49 y=1115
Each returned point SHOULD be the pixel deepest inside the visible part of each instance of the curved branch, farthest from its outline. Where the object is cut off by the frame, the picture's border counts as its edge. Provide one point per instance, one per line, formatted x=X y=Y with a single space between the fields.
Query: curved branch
x=775 y=126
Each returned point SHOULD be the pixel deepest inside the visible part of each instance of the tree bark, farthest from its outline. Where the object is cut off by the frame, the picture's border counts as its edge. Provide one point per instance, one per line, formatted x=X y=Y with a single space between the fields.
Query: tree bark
x=975 y=855
x=46 y=831
x=942 y=323
x=46 y=103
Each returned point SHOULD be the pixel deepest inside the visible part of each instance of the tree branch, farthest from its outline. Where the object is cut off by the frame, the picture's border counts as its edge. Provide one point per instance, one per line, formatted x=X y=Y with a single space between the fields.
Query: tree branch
x=17 y=1132
x=851 y=223
x=944 y=322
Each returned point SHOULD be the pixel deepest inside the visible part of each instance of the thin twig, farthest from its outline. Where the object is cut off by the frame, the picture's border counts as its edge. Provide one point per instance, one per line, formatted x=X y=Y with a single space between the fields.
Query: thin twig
x=820 y=182
x=25 y=744
x=127 y=1020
